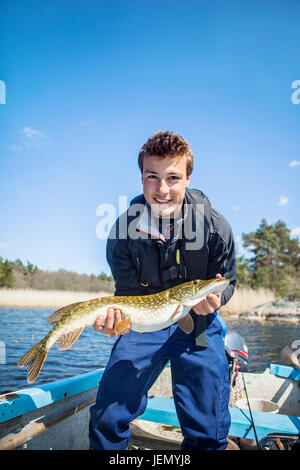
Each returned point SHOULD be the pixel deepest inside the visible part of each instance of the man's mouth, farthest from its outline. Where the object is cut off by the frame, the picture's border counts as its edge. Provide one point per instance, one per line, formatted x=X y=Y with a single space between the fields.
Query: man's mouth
x=162 y=201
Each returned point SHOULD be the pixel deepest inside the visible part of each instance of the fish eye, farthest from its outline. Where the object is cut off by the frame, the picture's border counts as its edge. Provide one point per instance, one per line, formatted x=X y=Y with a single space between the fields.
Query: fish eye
x=195 y=282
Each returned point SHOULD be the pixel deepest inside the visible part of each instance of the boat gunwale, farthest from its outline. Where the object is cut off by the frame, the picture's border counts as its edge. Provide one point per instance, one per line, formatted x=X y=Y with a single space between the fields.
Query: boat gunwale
x=160 y=409
x=32 y=398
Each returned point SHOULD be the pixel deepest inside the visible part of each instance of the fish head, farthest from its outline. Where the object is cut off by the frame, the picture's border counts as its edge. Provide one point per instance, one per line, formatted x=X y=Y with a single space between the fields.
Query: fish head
x=192 y=292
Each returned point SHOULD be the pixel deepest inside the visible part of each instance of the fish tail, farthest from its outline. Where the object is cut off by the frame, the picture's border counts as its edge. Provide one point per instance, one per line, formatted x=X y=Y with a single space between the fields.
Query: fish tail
x=34 y=358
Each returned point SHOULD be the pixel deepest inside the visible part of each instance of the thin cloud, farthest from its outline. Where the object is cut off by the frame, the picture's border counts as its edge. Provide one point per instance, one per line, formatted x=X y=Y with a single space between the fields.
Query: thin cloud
x=294 y=163
x=236 y=208
x=32 y=133
x=16 y=148
x=239 y=246
x=240 y=250
x=295 y=232
x=283 y=200
x=29 y=137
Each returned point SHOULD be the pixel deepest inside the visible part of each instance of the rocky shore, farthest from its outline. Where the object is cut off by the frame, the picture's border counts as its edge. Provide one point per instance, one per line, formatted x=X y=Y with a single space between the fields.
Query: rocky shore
x=279 y=310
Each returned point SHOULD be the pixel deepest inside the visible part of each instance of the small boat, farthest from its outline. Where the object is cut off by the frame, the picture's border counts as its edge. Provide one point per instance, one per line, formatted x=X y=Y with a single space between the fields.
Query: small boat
x=56 y=415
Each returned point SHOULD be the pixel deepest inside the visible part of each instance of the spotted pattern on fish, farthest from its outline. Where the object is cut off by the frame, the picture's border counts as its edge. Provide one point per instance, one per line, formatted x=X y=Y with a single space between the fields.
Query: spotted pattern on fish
x=143 y=313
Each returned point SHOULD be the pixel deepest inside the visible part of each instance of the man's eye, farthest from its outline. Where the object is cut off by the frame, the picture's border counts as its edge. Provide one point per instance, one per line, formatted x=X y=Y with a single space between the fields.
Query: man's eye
x=174 y=178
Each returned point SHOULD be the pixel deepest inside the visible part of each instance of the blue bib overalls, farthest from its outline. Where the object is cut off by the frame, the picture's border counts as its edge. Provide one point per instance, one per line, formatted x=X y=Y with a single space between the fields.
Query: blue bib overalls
x=200 y=384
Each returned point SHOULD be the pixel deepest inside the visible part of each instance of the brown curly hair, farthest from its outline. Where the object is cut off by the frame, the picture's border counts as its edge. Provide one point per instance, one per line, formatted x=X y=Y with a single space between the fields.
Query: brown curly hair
x=167 y=144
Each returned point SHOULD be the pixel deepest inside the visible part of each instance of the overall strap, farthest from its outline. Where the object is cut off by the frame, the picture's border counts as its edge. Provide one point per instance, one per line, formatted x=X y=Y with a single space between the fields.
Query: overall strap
x=200 y=202
x=200 y=333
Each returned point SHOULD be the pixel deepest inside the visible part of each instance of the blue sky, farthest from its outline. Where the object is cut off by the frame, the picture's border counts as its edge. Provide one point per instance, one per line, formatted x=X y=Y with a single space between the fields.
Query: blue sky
x=87 y=82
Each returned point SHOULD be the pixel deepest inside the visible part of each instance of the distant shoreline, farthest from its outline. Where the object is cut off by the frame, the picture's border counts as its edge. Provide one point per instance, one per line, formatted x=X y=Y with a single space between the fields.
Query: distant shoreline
x=242 y=300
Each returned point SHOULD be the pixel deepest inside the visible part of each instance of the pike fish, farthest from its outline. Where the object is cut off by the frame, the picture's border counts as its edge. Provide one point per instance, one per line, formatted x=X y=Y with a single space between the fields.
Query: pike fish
x=142 y=313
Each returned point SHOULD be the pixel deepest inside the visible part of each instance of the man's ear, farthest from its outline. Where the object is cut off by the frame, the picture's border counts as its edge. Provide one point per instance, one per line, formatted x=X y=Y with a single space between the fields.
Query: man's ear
x=187 y=181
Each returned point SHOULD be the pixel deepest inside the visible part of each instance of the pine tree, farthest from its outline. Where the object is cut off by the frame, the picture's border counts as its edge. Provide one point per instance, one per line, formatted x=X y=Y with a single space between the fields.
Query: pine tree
x=275 y=263
x=30 y=270
x=6 y=274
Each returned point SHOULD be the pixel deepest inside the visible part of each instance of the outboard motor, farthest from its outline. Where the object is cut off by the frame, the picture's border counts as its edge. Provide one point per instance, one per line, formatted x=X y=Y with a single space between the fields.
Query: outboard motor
x=236 y=350
x=237 y=356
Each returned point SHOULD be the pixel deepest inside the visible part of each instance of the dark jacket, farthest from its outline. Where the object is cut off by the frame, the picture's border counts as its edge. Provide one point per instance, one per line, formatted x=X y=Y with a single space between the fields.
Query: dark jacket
x=142 y=262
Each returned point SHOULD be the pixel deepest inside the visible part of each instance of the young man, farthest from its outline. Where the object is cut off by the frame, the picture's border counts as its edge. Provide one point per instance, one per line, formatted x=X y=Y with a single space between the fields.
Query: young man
x=176 y=237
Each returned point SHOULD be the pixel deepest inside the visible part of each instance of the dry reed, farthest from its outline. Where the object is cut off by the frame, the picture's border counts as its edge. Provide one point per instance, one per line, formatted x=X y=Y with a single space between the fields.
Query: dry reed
x=243 y=299
x=29 y=298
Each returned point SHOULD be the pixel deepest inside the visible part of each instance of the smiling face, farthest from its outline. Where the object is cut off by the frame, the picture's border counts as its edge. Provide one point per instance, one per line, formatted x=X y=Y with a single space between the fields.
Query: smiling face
x=165 y=180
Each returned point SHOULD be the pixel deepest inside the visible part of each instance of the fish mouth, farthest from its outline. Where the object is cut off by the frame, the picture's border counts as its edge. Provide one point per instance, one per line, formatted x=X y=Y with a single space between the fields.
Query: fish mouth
x=215 y=287
x=222 y=281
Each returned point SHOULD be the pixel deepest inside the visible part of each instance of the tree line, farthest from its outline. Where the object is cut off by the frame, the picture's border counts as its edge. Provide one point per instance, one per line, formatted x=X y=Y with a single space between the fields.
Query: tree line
x=23 y=276
x=273 y=263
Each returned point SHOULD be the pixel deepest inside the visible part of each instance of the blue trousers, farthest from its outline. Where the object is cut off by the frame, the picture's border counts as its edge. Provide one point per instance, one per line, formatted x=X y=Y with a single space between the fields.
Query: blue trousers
x=200 y=384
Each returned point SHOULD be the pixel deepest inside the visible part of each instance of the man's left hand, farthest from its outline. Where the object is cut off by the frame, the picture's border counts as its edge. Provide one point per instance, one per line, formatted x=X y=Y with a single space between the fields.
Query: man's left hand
x=209 y=304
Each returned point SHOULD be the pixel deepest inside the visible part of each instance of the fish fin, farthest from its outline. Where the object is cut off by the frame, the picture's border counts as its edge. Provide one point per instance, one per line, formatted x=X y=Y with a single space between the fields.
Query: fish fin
x=186 y=323
x=34 y=358
x=120 y=326
x=176 y=311
x=65 y=341
x=58 y=314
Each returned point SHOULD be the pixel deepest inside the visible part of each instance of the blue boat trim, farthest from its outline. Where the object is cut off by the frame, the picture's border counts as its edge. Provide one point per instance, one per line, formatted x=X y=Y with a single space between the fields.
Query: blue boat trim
x=159 y=409
x=32 y=398
x=162 y=410
x=284 y=371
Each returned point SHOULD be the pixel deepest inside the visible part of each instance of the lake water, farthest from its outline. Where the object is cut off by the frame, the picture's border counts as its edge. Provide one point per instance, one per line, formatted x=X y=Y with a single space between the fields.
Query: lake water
x=21 y=328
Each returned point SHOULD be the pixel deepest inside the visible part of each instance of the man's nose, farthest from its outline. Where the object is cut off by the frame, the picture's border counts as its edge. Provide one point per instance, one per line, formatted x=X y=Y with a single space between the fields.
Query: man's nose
x=163 y=187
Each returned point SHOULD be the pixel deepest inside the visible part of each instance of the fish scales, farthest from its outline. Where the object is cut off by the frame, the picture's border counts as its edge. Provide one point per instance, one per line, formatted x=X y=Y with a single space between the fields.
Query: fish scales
x=142 y=313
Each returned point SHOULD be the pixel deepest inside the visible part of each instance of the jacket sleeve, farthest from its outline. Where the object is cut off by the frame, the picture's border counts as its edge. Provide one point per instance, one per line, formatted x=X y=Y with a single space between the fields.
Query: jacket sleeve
x=122 y=267
x=222 y=254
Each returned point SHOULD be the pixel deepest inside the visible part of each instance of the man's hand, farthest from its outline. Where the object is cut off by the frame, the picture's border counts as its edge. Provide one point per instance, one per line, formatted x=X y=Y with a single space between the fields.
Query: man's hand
x=209 y=304
x=113 y=317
